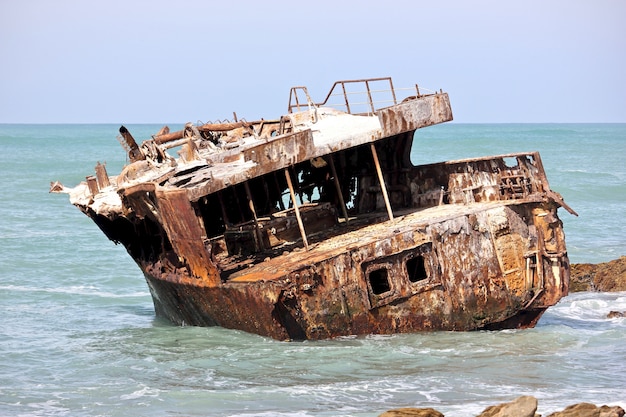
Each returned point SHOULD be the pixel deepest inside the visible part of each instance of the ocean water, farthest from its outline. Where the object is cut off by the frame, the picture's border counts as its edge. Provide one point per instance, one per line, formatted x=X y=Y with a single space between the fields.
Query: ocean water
x=78 y=335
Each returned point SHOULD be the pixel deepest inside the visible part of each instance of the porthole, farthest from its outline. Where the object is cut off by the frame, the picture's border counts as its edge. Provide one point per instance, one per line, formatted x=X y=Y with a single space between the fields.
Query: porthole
x=379 y=281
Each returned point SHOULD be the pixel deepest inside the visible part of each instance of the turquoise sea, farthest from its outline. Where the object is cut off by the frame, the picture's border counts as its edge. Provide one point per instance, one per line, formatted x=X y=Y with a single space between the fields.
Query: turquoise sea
x=78 y=335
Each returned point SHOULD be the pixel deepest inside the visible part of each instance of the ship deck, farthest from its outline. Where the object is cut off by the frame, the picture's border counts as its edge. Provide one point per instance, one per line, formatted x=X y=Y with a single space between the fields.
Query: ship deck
x=372 y=229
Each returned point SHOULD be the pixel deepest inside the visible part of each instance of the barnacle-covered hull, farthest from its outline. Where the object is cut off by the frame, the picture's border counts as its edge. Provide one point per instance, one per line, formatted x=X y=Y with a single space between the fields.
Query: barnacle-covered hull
x=317 y=225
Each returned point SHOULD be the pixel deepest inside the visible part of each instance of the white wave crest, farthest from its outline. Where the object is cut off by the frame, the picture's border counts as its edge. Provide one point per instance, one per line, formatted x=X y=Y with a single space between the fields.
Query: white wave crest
x=74 y=290
x=141 y=393
x=590 y=306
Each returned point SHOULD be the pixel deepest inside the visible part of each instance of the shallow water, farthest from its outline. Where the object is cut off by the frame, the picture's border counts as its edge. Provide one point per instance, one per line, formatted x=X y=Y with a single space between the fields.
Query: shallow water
x=79 y=336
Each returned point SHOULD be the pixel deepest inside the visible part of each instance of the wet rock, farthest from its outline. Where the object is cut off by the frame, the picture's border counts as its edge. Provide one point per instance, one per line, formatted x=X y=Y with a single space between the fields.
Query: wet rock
x=525 y=406
x=606 y=277
x=581 y=277
x=589 y=410
x=616 y=314
x=412 y=412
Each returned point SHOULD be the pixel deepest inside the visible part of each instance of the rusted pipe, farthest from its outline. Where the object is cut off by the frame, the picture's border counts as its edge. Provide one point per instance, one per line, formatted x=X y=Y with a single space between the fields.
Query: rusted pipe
x=134 y=152
x=207 y=127
x=345 y=96
x=369 y=96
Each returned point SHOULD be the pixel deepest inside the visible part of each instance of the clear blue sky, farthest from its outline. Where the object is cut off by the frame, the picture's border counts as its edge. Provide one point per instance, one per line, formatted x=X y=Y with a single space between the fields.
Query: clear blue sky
x=125 y=61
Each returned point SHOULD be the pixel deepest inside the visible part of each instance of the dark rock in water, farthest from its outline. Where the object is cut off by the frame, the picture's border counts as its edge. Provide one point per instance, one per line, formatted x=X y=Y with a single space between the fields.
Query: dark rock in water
x=605 y=277
x=525 y=406
x=616 y=314
x=589 y=410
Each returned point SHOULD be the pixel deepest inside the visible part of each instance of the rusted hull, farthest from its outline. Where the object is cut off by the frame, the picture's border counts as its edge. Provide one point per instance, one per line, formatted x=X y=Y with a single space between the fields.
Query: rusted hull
x=440 y=274
x=184 y=304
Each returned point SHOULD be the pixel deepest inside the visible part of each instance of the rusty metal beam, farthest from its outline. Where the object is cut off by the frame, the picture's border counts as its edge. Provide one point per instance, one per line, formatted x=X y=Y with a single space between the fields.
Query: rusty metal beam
x=92 y=184
x=257 y=232
x=338 y=187
x=101 y=176
x=296 y=209
x=185 y=233
x=383 y=188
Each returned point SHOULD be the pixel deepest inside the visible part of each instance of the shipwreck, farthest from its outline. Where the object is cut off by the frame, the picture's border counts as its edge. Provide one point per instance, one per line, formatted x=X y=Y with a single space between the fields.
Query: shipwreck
x=317 y=224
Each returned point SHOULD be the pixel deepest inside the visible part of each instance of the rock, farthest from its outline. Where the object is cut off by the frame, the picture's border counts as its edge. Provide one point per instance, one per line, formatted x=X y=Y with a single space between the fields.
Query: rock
x=611 y=276
x=412 y=412
x=581 y=277
x=589 y=410
x=606 y=277
x=525 y=406
x=616 y=314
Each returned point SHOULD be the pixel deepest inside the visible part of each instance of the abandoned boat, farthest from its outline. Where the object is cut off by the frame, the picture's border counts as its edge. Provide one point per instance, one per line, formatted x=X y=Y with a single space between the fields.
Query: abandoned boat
x=317 y=225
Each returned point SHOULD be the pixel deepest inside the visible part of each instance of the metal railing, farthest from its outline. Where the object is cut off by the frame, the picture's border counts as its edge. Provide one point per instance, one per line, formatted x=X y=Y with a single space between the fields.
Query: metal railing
x=373 y=94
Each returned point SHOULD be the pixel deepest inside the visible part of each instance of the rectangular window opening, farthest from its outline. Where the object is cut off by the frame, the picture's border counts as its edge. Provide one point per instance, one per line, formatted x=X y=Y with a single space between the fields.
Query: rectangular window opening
x=379 y=281
x=416 y=269
x=510 y=162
